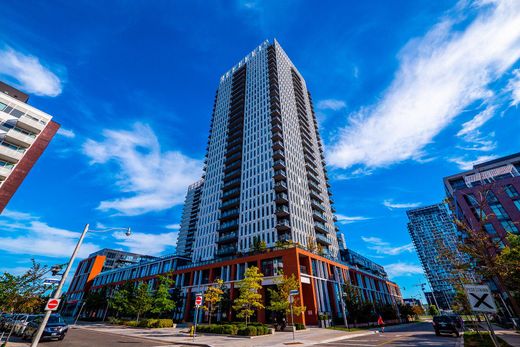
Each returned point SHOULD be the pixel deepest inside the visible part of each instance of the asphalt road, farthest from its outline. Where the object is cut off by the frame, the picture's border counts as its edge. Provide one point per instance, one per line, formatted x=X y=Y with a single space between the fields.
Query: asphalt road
x=412 y=335
x=89 y=338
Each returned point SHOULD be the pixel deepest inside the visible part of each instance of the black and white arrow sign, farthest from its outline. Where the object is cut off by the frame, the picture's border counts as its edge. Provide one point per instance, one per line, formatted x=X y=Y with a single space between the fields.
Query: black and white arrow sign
x=480 y=298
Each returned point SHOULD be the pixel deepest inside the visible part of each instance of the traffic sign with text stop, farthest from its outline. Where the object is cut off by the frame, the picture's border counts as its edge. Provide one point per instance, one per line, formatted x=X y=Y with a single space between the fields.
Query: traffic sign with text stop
x=198 y=300
x=52 y=305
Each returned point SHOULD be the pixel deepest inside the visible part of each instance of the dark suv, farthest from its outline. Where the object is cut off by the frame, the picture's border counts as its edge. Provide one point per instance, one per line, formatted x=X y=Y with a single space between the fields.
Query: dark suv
x=451 y=324
x=56 y=328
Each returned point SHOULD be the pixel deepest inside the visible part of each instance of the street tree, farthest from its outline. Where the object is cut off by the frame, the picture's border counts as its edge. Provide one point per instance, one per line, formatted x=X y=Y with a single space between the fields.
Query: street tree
x=280 y=296
x=121 y=299
x=249 y=299
x=482 y=246
x=212 y=297
x=509 y=264
x=433 y=311
x=142 y=300
x=162 y=301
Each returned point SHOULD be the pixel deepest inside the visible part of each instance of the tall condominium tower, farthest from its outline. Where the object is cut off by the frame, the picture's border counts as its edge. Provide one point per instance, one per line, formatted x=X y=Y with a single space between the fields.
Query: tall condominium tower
x=25 y=132
x=189 y=219
x=265 y=176
x=435 y=239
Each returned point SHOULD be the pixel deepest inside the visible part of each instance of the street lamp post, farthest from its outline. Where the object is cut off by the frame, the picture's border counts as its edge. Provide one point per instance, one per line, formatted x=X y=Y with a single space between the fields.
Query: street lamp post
x=57 y=293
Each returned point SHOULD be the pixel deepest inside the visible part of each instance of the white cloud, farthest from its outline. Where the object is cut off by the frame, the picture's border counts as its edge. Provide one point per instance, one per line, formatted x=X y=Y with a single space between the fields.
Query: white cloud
x=382 y=247
x=30 y=74
x=67 y=133
x=467 y=164
x=29 y=235
x=513 y=87
x=173 y=226
x=150 y=179
x=350 y=219
x=149 y=244
x=357 y=173
x=331 y=104
x=439 y=75
x=470 y=131
x=391 y=205
x=402 y=269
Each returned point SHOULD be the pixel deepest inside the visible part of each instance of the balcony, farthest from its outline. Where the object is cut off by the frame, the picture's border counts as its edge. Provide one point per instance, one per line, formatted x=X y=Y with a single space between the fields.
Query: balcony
x=279 y=154
x=232 y=183
x=276 y=127
x=230 y=203
x=232 y=175
x=10 y=154
x=282 y=211
x=280 y=175
x=279 y=165
x=315 y=195
x=5 y=169
x=226 y=238
x=317 y=204
x=30 y=123
x=227 y=226
x=280 y=186
x=319 y=216
x=277 y=136
x=284 y=237
x=232 y=158
x=226 y=251
x=277 y=145
x=283 y=224
x=313 y=185
x=229 y=214
x=320 y=227
x=19 y=138
x=323 y=240
x=231 y=193
x=276 y=119
x=281 y=198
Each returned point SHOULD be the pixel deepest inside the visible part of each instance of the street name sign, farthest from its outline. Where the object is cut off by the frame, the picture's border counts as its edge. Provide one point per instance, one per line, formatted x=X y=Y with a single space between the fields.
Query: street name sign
x=480 y=298
x=294 y=292
x=51 y=281
x=52 y=304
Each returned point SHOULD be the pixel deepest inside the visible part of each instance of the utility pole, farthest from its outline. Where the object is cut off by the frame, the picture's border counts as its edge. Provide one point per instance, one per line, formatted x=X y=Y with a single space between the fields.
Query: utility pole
x=57 y=293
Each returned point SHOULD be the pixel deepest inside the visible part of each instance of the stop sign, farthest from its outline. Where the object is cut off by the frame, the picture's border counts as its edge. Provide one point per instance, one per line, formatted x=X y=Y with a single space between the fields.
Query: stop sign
x=198 y=300
x=52 y=304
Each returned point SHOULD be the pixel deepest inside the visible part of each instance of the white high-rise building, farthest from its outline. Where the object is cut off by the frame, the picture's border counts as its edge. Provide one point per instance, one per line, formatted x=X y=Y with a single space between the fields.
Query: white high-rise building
x=265 y=176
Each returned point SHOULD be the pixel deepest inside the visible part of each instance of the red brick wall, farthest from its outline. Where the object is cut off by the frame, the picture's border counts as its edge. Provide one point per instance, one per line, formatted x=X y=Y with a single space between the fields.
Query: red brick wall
x=21 y=170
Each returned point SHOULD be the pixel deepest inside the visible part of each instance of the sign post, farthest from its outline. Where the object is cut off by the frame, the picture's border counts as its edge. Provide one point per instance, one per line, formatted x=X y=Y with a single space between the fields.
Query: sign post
x=481 y=301
x=292 y=294
x=198 y=302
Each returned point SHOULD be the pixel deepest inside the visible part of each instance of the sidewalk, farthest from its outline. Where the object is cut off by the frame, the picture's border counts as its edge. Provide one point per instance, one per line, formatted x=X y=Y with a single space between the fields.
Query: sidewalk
x=307 y=337
x=508 y=335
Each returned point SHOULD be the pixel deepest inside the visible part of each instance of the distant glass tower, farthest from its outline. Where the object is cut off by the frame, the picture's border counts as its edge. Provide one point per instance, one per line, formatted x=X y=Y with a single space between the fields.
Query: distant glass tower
x=189 y=220
x=435 y=236
x=265 y=175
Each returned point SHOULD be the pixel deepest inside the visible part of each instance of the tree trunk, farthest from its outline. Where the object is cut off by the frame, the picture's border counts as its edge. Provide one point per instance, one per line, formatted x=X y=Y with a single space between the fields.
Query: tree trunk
x=138 y=313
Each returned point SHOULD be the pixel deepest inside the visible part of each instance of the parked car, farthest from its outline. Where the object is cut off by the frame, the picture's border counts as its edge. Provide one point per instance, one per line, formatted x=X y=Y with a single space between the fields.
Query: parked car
x=21 y=324
x=451 y=324
x=55 y=329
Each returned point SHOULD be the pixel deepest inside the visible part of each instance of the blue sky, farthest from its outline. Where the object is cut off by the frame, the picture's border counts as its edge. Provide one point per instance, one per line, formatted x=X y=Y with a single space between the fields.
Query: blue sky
x=406 y=92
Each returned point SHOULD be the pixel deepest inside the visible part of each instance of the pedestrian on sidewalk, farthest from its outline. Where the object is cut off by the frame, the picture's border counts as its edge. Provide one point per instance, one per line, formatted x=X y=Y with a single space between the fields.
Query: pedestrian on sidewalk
x=381 y=324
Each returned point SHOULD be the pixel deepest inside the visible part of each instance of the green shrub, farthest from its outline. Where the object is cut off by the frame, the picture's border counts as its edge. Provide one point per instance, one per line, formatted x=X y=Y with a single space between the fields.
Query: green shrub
x=114 y=320
x=299 y=326
x=131 y=323
x=164 y=323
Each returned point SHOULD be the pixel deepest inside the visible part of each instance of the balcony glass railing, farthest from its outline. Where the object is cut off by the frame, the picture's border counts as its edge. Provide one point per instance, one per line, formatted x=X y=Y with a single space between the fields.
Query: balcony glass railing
x=230 y=202
x=231 y=192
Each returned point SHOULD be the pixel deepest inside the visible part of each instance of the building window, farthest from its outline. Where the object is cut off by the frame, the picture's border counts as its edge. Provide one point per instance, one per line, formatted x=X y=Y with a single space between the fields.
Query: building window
x=509 y=226
x=499 y=212
x=511 y=191
x=490 y=228
x=517 y=204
